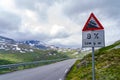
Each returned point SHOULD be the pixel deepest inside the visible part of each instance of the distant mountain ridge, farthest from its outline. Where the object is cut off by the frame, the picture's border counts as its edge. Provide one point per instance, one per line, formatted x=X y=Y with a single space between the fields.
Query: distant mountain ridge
x=7 y=40
x=34 y=43
x=21 y=46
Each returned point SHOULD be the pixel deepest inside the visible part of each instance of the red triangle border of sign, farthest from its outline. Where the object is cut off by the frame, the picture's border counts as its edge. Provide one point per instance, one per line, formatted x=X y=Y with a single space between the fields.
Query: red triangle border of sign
x=92 y=29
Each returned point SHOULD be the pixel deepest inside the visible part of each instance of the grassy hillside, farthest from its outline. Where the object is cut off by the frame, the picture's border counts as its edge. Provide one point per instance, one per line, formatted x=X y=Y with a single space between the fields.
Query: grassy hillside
x=10 y=57
x=107 y=65
x=75 y=54
x=7 y=57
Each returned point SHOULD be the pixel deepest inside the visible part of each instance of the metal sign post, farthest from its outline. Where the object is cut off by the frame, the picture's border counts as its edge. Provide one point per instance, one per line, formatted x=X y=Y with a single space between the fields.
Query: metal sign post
x=93 y=36
x=93 y=64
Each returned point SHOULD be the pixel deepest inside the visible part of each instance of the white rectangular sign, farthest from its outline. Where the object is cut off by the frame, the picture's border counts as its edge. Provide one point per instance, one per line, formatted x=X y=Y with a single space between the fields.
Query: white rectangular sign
x=93 y=38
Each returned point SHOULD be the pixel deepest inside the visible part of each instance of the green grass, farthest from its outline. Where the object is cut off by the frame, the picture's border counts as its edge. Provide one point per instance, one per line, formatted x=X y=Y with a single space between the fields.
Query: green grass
x=13 y=57
x=75 y=54
x=3 y=62
x=107 y=65
x=9 y=57
x=110 y=46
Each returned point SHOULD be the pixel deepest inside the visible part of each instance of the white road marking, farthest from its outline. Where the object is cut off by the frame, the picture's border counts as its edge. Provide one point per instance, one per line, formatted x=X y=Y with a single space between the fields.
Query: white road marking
x=66 y=70
x=60 y=79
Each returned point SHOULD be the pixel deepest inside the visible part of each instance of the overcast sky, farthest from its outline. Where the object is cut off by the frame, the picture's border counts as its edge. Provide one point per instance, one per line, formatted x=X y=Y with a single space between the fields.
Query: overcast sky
x=57 y=22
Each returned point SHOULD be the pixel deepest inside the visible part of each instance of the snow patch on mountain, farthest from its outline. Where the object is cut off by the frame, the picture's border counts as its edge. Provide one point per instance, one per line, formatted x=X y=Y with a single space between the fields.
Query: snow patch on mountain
x=21 y=46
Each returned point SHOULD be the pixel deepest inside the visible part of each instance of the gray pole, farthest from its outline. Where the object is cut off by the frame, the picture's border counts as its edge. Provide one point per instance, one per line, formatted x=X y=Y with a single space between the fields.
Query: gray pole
x=93 y=65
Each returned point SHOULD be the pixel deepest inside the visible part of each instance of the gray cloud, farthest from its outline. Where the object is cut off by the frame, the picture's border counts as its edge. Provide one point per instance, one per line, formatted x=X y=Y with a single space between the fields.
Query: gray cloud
x=30 y=4
x=39 y=6
x=76 y=7
x=29 y=36
x=9 y=21
x=109 y=8
x=39 y=16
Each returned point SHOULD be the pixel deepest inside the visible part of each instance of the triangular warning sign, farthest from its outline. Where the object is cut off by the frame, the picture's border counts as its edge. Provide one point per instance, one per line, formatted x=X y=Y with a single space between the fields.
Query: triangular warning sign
x=92 y=24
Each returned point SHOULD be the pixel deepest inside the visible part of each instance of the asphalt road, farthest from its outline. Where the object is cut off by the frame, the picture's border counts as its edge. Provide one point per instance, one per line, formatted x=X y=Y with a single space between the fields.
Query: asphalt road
x=54 y=71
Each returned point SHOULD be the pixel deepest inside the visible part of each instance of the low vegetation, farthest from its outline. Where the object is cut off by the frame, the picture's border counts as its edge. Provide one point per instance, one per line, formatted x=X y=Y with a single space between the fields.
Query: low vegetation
x=107 y=65
x=9 y=57
x=12 y=57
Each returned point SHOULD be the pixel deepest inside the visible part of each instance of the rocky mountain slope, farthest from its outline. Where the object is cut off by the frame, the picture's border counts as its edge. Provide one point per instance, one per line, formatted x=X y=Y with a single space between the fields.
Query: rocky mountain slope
x=21 y=46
